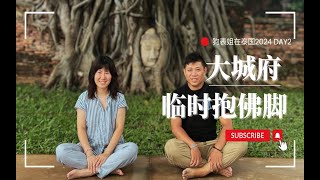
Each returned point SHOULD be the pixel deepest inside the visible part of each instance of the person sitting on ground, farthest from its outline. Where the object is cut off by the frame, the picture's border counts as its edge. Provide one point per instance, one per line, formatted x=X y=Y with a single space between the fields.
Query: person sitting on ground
x=101 y=111
x=196 y=147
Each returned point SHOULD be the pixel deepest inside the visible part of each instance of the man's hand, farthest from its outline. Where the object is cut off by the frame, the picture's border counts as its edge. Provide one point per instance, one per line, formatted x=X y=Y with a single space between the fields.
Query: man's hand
x=215 y=160
x=195 y=157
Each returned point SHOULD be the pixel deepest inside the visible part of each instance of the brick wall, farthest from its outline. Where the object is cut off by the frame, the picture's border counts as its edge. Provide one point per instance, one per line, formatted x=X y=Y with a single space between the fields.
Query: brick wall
x=275 y=28
x=33 y=54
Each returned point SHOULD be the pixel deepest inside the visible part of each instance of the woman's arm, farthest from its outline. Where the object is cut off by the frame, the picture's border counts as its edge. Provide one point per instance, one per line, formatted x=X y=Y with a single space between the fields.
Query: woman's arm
x=121 y=114
x=82 y=132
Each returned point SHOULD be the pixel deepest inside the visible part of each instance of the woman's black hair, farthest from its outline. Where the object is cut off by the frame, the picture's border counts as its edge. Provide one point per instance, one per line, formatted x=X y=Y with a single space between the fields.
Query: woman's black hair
x=107 y=63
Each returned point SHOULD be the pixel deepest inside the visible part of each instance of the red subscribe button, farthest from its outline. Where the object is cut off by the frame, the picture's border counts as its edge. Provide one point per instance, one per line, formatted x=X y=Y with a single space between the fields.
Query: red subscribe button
x=248 y=135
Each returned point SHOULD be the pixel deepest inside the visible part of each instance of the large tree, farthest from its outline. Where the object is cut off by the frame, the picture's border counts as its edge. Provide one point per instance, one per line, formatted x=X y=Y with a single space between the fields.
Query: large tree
x=83 y=29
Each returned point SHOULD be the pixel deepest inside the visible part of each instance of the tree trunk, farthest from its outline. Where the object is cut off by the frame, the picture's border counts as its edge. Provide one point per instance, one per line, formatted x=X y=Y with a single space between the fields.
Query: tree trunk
x=148 y=40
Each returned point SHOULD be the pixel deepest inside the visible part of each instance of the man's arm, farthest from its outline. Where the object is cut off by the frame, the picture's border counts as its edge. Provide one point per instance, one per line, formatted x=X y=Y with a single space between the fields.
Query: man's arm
x=179 y=132
x=226 y=123
x=215 y=158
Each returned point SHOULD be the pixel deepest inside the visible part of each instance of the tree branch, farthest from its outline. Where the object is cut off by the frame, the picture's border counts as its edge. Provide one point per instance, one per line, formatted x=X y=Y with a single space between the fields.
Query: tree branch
x=77 y=6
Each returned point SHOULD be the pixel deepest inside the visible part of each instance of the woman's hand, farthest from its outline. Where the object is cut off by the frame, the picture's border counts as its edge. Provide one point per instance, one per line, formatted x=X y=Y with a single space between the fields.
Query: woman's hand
x=92 y=159
x=100 y=159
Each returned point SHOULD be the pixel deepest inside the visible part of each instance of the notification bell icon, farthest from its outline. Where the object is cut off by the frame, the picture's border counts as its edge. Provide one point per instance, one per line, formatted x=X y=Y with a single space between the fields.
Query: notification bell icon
x=277 y=135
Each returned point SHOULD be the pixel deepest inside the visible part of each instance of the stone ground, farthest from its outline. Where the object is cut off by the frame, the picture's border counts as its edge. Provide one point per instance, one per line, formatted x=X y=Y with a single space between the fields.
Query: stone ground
x=158 y=168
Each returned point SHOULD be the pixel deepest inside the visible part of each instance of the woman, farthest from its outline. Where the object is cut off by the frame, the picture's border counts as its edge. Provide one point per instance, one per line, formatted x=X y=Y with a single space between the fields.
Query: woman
x=101 y=111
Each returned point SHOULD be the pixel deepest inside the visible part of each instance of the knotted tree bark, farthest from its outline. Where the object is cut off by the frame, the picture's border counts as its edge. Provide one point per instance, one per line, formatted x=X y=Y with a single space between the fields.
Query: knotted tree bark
x=81 y=30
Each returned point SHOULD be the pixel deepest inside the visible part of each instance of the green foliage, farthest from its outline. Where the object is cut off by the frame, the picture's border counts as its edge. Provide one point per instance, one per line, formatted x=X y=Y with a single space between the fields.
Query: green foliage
x=47 y=118
x=297 y=5
x=292 y=125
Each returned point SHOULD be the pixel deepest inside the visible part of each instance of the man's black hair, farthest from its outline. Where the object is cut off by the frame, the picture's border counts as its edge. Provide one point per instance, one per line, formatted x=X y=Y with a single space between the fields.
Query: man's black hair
x=194 y=57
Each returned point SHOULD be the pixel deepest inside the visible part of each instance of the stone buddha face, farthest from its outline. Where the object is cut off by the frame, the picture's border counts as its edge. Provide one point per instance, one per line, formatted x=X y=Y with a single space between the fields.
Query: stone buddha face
x=190 y=36
x=150 y=47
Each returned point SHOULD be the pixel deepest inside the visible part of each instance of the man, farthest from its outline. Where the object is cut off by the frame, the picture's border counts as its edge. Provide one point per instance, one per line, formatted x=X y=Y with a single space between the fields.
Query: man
x=197 y=148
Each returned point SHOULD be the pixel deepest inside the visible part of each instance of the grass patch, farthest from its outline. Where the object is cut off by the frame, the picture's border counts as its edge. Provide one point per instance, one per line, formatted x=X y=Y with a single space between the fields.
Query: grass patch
x=47 y=118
